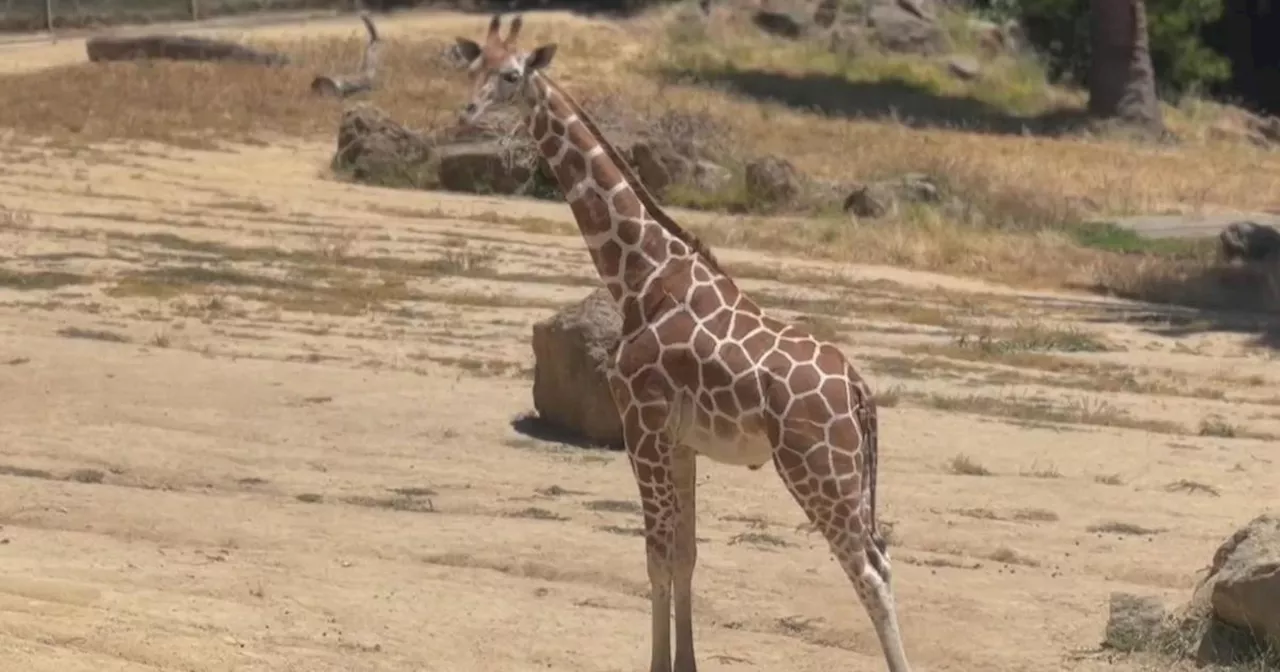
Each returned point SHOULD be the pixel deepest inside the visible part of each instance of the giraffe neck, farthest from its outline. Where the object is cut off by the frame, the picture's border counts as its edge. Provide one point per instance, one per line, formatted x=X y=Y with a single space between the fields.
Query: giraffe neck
x=630 y=239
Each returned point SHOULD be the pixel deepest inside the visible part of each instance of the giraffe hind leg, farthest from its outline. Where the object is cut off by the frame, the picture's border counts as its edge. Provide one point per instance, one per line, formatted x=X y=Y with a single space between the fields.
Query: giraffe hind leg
x=871 y=582
x=860 y=552
x=864 y=561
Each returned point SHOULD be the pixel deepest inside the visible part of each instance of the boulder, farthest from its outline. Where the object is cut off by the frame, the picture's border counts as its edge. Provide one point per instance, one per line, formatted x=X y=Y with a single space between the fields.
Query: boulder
x=772 y=180
x=485 y=167
x=658 y=164
x=780 y=24
x=1243 y=583
x=375 y=149
x=711 y=177
x=849 y=41
x=572 y=351
x=825 y=13
x=879 y=199
x=870 y=201
x=904 y=26
x=1249 y=241
x=964 y=67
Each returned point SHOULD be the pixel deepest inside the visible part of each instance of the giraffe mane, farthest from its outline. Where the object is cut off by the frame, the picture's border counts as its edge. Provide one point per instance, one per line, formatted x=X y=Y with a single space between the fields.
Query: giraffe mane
x=642 y=192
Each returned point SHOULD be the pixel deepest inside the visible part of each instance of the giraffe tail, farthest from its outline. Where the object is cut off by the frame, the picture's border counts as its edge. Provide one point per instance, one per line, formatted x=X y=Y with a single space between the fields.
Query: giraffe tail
x=871 y=444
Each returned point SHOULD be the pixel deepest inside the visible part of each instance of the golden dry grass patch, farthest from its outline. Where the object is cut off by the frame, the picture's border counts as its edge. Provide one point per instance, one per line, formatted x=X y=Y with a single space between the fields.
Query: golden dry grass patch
x=620 y=61
x=1021 y=192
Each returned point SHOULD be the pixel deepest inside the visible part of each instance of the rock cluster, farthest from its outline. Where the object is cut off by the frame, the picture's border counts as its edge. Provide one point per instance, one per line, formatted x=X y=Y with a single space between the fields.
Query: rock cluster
x=491 y=160
x=1233 y=615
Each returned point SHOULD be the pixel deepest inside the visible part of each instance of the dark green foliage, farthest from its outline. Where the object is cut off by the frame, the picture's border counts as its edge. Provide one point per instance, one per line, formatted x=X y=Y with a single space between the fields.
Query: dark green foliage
x=1059 y=29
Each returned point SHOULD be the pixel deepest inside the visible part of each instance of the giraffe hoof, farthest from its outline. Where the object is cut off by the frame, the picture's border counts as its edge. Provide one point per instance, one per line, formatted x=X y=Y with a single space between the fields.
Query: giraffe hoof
x=754 y=467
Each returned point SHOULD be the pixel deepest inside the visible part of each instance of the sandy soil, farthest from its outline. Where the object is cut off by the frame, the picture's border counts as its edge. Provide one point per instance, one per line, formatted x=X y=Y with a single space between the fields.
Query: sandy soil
x=254 y=419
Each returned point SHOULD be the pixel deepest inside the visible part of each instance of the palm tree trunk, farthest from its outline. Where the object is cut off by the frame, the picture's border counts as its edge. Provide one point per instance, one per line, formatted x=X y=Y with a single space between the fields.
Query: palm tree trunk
x=1122 y=82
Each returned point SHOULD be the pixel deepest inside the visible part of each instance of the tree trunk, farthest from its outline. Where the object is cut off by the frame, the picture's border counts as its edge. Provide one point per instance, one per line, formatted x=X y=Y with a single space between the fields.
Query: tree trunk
x=1122 y=82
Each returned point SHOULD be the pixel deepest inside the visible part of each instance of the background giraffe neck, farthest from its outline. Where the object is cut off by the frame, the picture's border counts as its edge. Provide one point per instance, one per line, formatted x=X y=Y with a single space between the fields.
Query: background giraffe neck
x=628 y=234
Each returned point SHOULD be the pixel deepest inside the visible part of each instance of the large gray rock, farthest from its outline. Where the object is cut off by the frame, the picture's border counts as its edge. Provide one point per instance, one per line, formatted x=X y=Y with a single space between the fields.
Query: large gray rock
x=825 y=13
x=663 y=162
x=964 y=67
x=903 y=26
x=849 y=40
x=1249 y=241
x=658 y=164
x=781 y=24
x=572 y=351
x=773 y=180
x=485 y=167
x=1243 y=584
x=375 y=149
x=906 y=26
x=874 y=200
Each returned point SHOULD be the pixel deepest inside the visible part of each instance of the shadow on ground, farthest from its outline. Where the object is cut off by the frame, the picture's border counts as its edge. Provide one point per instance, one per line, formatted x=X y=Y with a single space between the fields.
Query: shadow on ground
x=895 y=100
x=535 y=427
x=1229 y=299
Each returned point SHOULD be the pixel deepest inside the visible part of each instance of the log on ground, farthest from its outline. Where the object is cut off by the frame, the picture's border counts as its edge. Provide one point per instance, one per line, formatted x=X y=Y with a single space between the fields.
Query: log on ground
x=176 y=47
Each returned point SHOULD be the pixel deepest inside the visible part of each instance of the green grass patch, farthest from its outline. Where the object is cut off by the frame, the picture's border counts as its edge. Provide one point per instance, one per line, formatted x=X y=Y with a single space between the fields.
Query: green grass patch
x=1115 y=238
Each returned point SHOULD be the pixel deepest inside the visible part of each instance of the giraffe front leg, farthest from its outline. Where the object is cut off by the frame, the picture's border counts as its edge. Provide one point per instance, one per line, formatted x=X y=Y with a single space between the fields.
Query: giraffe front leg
x=665 y=474
x=684 y=474
x=651 y=461
x=653 y=425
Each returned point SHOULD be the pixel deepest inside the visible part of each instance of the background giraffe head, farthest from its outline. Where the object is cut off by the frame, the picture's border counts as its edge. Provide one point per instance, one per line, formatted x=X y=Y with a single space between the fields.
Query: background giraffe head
x=499 y=71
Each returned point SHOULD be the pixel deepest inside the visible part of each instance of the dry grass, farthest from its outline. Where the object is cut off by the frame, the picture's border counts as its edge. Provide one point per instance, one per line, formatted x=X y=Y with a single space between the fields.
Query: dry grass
x=1124 y=529
x=1022 y=193
x=963 y=465
x=986 y=346
x=1036 y=410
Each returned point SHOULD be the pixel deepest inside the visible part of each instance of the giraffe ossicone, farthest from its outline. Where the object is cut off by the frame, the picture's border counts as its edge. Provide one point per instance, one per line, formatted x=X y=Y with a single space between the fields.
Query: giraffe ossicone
x=699 y=368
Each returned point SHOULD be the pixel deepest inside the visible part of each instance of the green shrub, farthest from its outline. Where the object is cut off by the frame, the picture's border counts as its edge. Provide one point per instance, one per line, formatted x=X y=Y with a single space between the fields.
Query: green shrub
x=1059 y=29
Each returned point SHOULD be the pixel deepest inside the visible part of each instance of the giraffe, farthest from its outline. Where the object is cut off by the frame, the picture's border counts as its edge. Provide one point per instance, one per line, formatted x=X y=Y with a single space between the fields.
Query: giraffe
x=699 y=368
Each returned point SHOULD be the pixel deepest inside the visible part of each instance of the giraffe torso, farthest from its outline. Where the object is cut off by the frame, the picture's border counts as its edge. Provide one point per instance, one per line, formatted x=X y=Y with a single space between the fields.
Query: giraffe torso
x=728 y=372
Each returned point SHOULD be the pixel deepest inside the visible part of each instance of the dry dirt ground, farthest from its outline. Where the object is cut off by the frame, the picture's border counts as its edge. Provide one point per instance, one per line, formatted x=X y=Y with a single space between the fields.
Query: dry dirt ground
x=255 y=419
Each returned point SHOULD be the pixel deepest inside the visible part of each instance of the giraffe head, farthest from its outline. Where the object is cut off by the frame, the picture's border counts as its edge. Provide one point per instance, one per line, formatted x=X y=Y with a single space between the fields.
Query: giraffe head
x=499 y=71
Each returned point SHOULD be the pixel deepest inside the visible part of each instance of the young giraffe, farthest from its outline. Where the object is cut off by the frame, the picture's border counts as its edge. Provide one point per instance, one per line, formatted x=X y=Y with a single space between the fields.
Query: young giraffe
x=699 y=369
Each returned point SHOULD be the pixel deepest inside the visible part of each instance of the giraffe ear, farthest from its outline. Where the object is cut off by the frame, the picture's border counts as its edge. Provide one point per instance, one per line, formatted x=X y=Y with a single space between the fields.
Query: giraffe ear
x=464 y=52
x=540 y=58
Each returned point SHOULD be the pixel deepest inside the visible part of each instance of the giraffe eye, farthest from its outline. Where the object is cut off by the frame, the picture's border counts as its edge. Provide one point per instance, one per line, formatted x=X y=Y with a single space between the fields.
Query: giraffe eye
x=510 y=76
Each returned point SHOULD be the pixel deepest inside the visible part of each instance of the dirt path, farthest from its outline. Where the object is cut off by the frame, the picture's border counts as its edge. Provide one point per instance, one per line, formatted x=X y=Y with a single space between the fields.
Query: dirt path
x=258 y=420
x=1192 y=226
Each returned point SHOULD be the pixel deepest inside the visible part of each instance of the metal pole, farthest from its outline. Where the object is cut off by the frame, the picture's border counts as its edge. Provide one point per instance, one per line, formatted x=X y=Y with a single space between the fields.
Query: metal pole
x=195 y=10
x=48 y=15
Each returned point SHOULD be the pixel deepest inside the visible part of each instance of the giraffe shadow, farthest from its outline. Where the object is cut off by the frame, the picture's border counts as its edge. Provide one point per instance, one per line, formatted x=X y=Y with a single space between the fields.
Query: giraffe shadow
x=893 y=100
x=535 y=426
